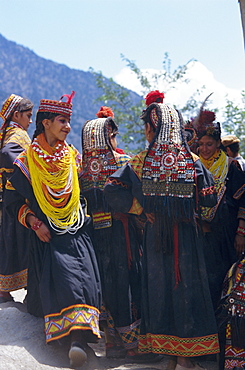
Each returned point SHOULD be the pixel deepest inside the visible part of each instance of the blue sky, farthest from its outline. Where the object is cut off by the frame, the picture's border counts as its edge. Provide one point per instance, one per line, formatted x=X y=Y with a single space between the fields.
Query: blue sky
x=93 y=33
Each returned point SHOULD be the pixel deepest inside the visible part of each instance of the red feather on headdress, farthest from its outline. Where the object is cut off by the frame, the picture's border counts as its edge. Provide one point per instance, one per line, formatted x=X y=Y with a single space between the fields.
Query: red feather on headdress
x=196 y=121
x=105 y=112
x=204 y=123
x=69 y=97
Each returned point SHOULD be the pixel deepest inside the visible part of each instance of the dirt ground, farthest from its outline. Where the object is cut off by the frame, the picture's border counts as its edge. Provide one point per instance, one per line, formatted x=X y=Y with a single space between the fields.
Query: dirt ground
x=22 y=345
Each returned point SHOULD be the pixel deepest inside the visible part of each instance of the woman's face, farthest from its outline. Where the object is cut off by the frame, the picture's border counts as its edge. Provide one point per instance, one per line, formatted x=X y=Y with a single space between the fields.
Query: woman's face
x=208 y=146
x=113 y=141
x=55 y=130
x=149 y=132
x=24 y=119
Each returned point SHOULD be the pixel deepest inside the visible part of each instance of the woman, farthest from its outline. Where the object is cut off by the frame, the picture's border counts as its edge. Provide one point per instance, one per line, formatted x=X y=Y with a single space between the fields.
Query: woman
x=17 y=115
x=115 y=235
x=232 y=318
x=63 y=279
x=167 y=182
x=224 y=238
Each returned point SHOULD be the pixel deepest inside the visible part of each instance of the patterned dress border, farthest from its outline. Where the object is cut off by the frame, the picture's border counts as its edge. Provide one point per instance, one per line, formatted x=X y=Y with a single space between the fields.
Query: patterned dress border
x=175 y=346
x=78 y=316
x=16 y=281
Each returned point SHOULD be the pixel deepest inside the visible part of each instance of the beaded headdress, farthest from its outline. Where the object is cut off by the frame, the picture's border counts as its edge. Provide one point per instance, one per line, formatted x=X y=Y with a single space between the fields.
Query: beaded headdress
x=168 y=170
x=98 y=159
x=9 y=106
x=191 y=137
x=59 y=107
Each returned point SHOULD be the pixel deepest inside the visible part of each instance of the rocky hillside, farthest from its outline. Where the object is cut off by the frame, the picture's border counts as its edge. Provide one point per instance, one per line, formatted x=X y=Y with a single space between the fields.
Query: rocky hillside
x=25 y=73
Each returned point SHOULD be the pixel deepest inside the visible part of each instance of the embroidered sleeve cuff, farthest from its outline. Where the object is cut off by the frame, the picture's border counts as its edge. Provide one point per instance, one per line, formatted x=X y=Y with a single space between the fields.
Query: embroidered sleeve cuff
x=241 y=213
x=239 y=192
x=22 y=214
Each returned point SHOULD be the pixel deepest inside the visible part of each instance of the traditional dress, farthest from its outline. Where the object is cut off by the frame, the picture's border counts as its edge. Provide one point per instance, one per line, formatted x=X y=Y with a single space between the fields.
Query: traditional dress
x=167 y=180
x=116 y=236
x=233 y=321
x=14 y=237
x=223 y=219
x=63 y=278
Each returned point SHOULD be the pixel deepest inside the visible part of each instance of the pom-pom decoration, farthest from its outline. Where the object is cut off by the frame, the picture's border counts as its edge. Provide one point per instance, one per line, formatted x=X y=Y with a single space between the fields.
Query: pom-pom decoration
x=105 y=112
x=154 y=97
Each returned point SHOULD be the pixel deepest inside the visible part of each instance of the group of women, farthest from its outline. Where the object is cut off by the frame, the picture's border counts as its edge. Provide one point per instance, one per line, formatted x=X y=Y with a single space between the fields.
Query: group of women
x=137 y=247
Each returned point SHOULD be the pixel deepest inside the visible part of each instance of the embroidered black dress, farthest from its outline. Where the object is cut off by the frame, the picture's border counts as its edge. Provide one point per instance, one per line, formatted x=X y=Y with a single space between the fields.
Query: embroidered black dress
x=177 y=313
x=219 y=250
x=63 y=278
x=116 y=237
x=14 y=237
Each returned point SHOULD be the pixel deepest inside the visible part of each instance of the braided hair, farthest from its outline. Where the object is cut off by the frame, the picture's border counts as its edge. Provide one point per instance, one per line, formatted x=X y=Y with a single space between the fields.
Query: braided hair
x=39 y=122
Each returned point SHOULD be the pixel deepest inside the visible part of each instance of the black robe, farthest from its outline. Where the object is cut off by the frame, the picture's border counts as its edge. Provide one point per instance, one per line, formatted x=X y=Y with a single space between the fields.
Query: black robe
x=219 y=249
x=63 y=277
x=14 y=237
x=177 y=316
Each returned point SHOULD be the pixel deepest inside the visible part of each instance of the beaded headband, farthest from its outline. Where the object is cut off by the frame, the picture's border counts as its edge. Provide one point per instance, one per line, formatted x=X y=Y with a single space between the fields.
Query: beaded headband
x=9 y=106
x=59 y=107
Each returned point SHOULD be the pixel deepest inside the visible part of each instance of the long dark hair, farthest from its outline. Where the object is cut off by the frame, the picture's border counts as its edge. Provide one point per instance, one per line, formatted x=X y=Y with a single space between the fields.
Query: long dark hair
x=39 y=122
x=23 y=106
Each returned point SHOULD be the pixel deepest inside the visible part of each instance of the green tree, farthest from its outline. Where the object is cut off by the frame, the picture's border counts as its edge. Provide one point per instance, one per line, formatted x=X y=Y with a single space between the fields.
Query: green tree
x=234 y=120
x=127 y=106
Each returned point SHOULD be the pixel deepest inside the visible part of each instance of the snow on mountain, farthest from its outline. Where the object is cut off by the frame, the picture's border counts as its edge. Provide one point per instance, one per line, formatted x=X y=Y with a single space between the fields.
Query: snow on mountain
x=198 y=78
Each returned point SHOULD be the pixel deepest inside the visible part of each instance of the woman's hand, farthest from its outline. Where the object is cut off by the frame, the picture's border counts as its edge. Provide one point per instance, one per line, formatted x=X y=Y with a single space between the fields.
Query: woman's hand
x=39 y=227
x=43 y=233
x=239 y=243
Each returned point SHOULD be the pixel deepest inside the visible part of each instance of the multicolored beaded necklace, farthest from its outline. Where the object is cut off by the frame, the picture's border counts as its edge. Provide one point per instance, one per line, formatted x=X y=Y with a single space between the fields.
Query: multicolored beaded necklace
x=55 y=184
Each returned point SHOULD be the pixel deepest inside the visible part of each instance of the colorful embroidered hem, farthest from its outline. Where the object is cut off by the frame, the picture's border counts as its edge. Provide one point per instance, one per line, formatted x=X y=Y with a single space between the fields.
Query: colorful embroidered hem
x=16 y=281
x=175 y=346
x=128 y=334
x=80 y=316
x=234 y=357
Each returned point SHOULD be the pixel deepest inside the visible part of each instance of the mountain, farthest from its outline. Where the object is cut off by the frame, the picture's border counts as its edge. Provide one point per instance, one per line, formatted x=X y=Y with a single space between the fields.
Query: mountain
x=25 y=73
